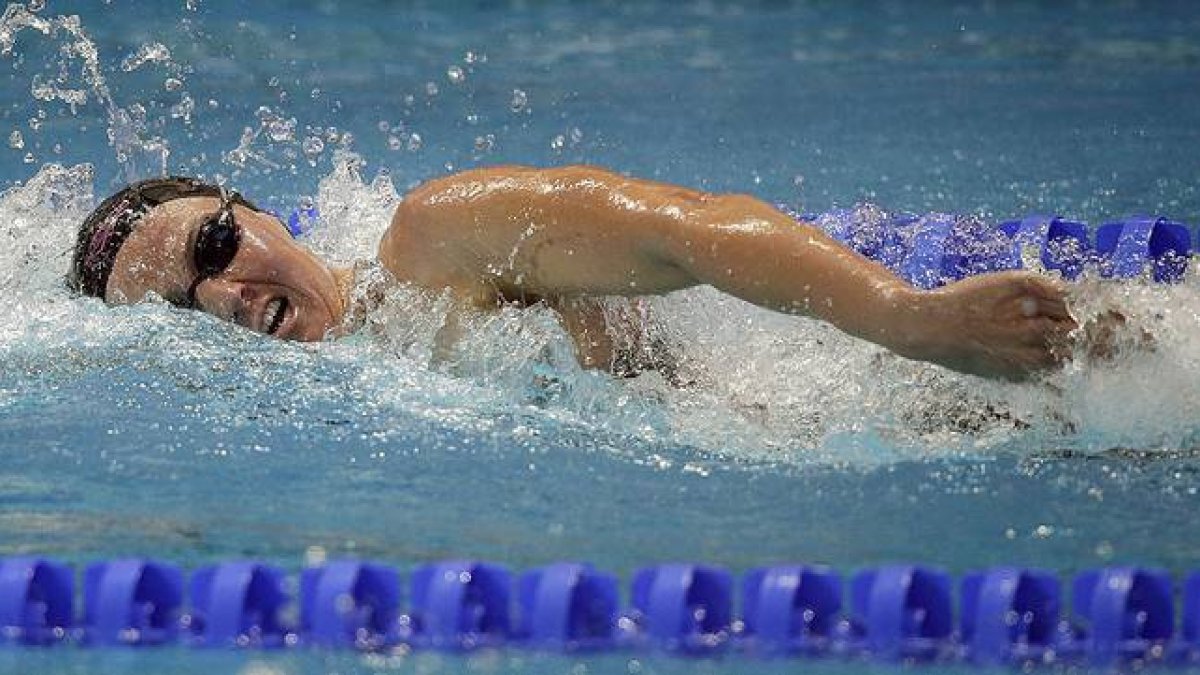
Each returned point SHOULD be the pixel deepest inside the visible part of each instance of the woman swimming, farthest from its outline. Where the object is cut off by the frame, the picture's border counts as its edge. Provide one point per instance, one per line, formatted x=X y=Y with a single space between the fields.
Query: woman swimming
x=525 y=235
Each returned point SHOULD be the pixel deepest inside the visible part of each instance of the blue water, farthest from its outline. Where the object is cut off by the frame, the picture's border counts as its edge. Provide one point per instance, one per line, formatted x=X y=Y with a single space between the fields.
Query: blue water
x=148 y=431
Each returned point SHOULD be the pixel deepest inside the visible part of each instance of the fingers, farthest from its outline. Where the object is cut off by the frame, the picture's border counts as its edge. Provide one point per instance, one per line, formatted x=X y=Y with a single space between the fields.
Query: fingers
x=1050 y=296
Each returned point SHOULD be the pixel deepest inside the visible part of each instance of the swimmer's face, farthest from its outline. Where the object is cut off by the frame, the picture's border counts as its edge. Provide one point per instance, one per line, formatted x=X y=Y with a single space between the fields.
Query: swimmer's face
x=272 y=285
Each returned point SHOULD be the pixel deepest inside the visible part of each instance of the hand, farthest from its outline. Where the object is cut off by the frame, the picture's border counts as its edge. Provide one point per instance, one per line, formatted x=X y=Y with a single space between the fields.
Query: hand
x=1008 y=325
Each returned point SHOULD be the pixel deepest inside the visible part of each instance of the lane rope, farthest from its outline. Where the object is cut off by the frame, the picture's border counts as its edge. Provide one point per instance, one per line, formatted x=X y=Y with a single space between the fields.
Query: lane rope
x=1004 y=615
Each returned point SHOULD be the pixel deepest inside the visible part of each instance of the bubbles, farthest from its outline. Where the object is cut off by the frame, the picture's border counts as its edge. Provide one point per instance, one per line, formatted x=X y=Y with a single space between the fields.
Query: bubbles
x=456 y=75
x=152 y=52
x=36 y=5
x=485 y=143
x=16 y=18
x=472 y=57
x=572 y=138
x=183 y=109
x=282 y=130
x=312 y=146
x=519 y=101
x=29 y=158
x=431 y=89
x=172 y=84
x=15 y=140
x=415 y=142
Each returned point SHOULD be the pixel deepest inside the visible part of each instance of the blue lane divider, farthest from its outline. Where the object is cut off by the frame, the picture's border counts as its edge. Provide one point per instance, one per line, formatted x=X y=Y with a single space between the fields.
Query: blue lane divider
x=346 y=603
x=936 y=248
x=1006 y=615
x=684 y=606
x=902 y=611
x=302 y=219
x=1061 y=245
x=1129 y=246
x=460 y=604
x=791 y=608
x=1125 y=612
x=1010 y=615
x=36 y=599
x=238 y=603
x=568 y=605
x=132 y=602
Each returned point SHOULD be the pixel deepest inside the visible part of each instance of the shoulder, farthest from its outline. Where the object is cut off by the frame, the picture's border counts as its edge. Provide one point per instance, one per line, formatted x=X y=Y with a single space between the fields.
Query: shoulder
x=497 y=180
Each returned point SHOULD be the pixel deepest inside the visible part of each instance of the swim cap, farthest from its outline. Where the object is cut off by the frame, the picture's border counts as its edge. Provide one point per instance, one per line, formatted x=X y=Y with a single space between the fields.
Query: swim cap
x=110 y=224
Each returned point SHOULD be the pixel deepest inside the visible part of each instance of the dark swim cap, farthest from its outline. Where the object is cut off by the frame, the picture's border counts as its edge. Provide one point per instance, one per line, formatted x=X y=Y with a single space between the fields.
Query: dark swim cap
x=106 y=228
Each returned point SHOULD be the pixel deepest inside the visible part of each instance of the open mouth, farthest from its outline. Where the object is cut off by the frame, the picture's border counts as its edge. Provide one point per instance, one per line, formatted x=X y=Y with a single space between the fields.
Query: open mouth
x=273 y=316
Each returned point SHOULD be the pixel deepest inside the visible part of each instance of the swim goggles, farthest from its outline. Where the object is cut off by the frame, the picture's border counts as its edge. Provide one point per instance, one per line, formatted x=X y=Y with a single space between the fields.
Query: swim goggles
x=215 y=247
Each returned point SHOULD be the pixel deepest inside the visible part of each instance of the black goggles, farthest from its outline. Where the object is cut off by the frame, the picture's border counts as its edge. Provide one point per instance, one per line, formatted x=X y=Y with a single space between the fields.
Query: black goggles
x=215 y=247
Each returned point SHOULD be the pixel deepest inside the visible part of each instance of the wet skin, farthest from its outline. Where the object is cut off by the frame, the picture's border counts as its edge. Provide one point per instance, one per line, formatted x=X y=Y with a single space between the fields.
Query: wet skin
x=508 y=234
x=273 y=286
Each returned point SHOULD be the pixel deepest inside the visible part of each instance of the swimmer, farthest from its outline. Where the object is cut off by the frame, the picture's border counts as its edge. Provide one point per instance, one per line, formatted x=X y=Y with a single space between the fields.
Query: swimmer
x=501 y=235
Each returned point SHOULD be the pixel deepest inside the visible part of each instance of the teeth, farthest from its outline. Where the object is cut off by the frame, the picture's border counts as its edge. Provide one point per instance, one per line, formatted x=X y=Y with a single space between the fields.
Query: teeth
x=274 y=315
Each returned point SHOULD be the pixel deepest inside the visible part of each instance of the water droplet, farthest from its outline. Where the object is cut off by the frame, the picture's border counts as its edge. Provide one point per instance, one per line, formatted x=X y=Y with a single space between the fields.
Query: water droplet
x=29 y=159
x=172 y=84
x=273 y=82
x=576 y=135
x=519 y=102
x=472 y=119
x=557 y=143
x=35 y=124
x=315 y=93
x=15 y=140
x=36 y=5
x=281 y=130
x=395 y=143
x=384 y=126
x=312 y=146
x=184 y=109
x=456 y=75
x=485 y=143
x=431 y=89
x=415 y=142
x=475 y=57
x=152 y=52
x=332 y=135
x=192 y=5
x=409 y=100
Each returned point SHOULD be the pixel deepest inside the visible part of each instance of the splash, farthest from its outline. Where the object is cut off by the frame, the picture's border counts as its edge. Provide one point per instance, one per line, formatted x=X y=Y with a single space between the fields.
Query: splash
x=76 y=77
x=754 y=387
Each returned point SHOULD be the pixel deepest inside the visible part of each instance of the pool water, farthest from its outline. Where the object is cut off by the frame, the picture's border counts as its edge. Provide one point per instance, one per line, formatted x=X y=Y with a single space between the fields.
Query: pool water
x=148 y=431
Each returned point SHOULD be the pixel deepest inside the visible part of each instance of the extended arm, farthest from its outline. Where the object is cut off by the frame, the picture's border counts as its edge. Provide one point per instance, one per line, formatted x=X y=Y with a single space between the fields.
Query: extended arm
x=515 y=233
